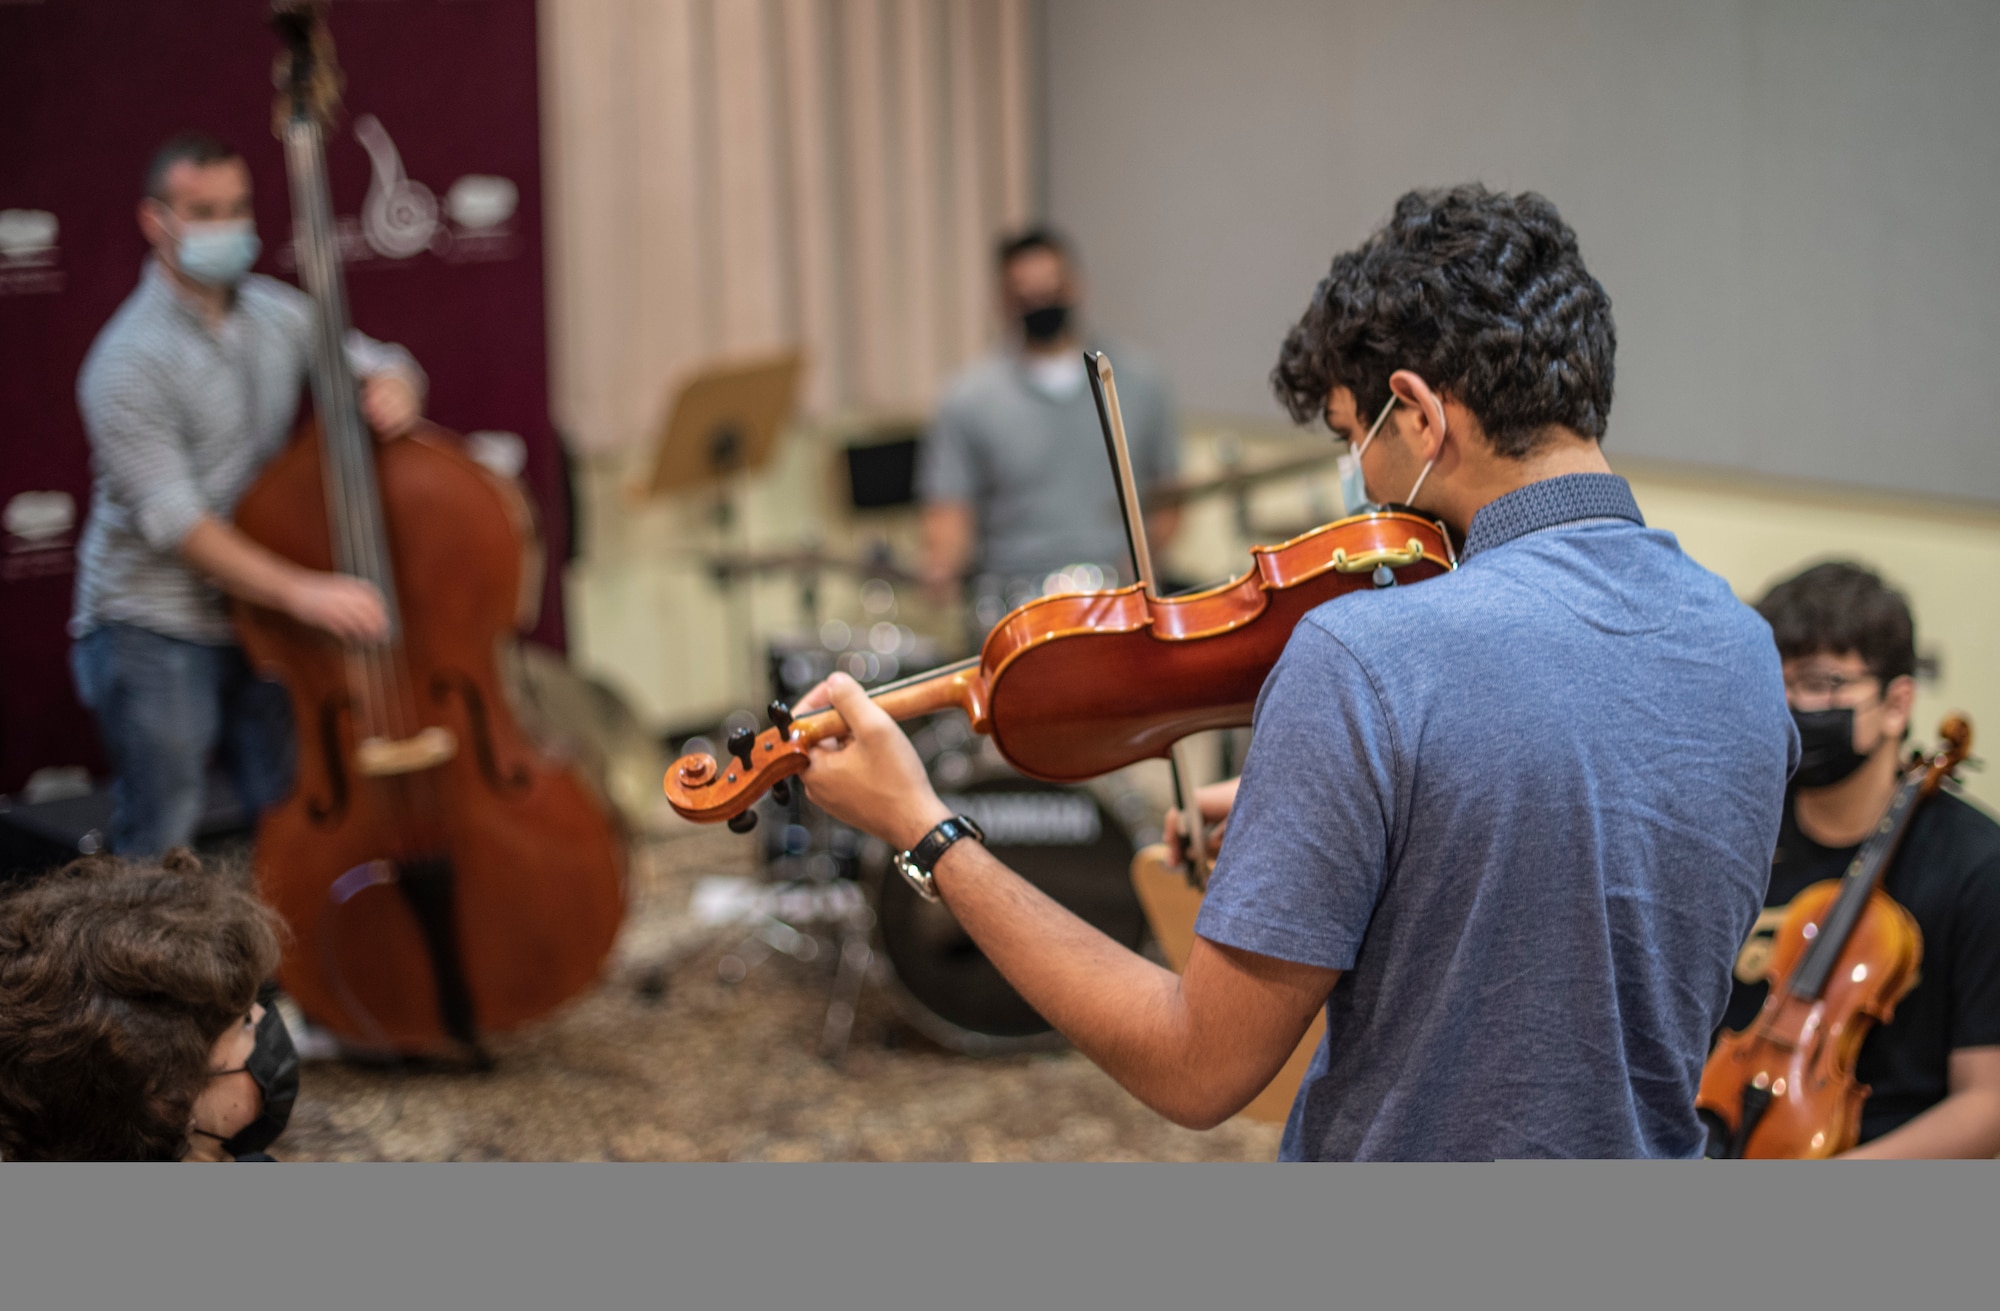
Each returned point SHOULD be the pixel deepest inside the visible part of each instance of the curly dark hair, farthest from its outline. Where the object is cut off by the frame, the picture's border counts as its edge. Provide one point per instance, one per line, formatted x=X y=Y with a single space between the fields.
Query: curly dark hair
x=116 y=980
x=1838 y=607
x=1481 y=293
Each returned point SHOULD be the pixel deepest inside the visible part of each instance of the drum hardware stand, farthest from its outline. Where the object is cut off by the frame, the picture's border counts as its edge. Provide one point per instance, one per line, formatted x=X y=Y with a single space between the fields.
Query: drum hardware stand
x=814 y=898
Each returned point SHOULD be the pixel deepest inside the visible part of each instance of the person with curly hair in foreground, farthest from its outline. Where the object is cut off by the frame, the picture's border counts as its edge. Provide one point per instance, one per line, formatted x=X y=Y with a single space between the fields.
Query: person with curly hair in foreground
x=1506 y=827
x=130 y=1022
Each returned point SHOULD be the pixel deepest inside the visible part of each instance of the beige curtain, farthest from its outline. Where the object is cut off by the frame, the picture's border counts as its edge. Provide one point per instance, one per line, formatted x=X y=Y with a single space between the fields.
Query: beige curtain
x=729 y=177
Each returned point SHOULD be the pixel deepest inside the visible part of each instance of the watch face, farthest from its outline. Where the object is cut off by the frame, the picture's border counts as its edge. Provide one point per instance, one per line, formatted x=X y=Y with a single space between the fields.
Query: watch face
x=915 y=875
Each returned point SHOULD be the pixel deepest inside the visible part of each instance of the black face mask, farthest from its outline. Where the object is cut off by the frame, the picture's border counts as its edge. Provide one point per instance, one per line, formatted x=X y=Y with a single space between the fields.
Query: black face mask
x=274 y=1065
x=1045 y=323
x=1826 y=747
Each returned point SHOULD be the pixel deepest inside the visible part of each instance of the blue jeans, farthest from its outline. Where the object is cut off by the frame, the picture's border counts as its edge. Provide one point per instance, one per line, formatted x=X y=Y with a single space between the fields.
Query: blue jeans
x=166 y=708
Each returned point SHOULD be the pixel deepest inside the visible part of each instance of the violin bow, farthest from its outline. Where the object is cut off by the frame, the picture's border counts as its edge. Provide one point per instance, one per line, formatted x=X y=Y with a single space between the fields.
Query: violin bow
x=1104 y=389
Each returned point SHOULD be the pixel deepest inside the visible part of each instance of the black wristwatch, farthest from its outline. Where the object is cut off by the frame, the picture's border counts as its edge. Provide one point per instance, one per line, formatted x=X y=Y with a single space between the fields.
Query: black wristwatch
x=917 y=863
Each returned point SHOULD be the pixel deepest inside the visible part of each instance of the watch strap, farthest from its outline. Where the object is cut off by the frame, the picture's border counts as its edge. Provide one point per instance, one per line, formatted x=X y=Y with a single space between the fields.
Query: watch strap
x=931 y=847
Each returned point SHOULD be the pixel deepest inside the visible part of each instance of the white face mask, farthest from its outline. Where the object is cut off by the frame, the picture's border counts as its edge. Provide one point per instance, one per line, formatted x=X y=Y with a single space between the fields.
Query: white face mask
x=217 y=253
x=1354 y=485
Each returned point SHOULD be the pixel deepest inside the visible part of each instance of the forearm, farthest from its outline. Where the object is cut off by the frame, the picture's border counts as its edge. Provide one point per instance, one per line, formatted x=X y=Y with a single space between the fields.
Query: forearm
x=1122 y=1011
x=1963 y=1125
x=238 y=565
x=947 y=541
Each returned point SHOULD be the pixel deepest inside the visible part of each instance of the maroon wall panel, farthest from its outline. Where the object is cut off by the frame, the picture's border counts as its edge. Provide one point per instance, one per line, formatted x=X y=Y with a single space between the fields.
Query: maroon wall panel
x=441 y=223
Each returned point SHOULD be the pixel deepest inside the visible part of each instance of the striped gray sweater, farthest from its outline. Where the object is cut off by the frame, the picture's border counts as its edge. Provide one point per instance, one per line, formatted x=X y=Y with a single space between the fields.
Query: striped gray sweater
x=182 y=418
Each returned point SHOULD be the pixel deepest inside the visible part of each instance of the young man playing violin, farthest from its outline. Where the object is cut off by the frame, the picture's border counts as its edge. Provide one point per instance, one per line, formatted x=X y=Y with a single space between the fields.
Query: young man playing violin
x=1849 y=653
x=1507 y=826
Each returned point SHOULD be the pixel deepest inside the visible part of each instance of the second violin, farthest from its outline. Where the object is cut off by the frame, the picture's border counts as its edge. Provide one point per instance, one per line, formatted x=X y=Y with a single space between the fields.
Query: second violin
x=1846 y=953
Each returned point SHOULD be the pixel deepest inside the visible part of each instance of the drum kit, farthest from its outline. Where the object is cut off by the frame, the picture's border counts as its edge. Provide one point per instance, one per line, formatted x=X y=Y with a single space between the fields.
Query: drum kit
x=1075 y=843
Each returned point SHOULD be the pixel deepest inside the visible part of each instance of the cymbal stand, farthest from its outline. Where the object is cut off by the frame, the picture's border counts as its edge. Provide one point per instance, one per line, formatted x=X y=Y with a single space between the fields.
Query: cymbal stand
x=806 y=851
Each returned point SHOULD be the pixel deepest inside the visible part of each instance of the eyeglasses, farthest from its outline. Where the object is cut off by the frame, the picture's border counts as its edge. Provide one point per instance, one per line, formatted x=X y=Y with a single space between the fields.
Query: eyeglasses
x=1818 y=690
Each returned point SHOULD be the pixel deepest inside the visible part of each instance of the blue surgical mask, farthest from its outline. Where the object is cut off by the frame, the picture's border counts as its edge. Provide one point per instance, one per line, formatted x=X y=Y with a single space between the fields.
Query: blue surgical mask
x=218 y=254
x=1353 y=486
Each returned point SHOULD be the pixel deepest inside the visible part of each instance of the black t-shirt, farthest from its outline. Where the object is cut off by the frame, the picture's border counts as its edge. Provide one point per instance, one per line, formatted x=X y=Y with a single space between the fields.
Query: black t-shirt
x=1948 y=877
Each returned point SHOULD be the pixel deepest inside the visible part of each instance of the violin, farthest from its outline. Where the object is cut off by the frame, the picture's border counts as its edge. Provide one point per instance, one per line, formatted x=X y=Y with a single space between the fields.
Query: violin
x=1845 y=954
x=442 y=878
x=1077 y=684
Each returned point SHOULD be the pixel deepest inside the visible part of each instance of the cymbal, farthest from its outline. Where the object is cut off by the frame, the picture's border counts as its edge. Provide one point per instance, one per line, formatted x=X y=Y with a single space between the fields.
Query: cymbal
x=1169 y=495
x=802 y=559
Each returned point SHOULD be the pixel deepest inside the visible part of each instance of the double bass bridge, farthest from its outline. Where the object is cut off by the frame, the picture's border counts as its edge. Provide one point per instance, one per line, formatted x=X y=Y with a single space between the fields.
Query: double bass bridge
x=380 y=757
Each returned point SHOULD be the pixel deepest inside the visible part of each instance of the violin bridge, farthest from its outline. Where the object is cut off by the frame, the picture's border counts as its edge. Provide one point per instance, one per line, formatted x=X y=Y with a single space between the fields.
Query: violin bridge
x=379 y=757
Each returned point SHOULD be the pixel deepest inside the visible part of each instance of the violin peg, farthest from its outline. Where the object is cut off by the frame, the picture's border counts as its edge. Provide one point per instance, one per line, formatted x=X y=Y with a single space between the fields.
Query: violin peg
x=744 y=822
x=742 y=744
x=781 y=792
x=781 y=718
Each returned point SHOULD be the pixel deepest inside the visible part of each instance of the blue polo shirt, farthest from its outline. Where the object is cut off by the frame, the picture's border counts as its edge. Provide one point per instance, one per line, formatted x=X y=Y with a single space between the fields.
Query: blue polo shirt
x=1528 y=808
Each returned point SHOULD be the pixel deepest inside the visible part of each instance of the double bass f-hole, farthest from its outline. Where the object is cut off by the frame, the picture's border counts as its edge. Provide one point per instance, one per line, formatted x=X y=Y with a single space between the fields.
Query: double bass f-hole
x=443 y=684
x=329 y=812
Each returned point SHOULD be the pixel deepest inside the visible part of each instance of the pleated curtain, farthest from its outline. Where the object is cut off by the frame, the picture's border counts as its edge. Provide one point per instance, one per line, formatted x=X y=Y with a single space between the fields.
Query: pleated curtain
x=731 y=177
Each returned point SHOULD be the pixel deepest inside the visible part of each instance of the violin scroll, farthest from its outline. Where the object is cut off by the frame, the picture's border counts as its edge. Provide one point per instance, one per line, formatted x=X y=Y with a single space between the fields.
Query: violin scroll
x=1956 y=733
x=704 y=789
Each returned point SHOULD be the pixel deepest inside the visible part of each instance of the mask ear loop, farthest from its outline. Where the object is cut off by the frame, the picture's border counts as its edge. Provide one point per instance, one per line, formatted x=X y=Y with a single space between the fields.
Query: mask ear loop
x=1374 y=428
x=1411 y=499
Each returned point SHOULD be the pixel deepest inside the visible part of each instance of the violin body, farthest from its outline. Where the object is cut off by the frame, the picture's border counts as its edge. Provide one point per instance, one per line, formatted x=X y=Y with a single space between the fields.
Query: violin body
x=1080 y=684
x=1802 y=1052
x=471 y=894
x=1074 y=685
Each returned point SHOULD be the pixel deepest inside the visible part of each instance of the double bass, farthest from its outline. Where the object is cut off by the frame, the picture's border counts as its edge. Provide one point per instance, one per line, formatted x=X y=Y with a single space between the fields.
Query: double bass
x=1846 y=953
x=441 y=877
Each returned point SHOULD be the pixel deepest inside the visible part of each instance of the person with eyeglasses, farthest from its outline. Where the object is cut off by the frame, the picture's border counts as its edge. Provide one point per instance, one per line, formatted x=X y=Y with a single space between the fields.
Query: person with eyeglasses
x=1848 y=645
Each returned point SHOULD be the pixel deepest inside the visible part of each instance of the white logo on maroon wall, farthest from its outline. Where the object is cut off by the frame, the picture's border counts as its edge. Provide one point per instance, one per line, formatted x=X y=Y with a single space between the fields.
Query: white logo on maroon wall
x=38 y=535
x=29 y=258
x=400 y=216
x=27 y=235
x=479 y=202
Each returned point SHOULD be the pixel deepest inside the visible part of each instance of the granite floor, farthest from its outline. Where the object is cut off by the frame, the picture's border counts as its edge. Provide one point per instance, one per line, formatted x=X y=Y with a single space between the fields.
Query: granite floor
x=703 y=1070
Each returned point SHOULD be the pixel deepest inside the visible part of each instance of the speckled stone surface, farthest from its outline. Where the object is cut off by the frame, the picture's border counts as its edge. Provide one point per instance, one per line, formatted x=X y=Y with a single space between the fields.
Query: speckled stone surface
x=718 y=1072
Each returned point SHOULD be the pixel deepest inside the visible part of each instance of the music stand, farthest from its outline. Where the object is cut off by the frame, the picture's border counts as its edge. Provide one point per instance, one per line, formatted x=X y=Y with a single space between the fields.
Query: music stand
x=724 y=423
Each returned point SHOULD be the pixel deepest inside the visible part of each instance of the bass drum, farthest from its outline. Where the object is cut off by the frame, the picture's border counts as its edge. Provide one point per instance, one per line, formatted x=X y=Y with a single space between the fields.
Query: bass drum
x=1063 y=840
